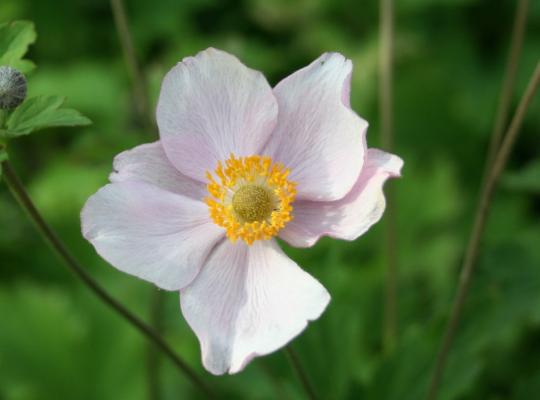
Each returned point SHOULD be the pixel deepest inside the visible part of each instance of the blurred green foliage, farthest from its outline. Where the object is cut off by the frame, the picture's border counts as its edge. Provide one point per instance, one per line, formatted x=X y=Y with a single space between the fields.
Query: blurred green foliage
x=58 y=342
x=15 y=38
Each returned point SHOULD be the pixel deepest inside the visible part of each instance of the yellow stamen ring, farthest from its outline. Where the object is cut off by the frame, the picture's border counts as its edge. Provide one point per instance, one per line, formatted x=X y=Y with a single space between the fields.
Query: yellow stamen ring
x=251 y=197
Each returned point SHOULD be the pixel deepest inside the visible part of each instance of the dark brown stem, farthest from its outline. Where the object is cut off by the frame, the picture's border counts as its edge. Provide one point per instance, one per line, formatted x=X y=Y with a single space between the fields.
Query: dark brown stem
x=478 y=229
x=387 y=138
x=302 y=376
x=137 y=78
x=19 y=192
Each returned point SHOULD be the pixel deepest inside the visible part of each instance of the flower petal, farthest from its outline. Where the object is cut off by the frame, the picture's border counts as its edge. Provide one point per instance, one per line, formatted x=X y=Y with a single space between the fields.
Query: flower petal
x=211 y=106
x=351 y=216
x=249 y=301
x=318 y=137
x=148 y=163
x=150 y=233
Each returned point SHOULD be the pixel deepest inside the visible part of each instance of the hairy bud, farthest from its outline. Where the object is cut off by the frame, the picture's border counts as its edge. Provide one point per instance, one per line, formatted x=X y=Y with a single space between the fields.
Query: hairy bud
x=12 y=87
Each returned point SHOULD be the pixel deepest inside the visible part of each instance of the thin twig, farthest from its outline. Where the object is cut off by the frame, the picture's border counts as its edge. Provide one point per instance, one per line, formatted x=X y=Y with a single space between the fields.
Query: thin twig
x=19 y=192
x=387 y=137
x=302 y=376
x=501 y=119
x=478 y=229
x=137 y=79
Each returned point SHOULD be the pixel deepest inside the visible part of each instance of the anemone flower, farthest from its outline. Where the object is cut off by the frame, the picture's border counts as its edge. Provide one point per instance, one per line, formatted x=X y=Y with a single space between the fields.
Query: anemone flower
x=239 y=164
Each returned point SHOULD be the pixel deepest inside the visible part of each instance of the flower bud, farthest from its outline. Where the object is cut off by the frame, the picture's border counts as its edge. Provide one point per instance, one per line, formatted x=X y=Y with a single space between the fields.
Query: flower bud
x=12 y=87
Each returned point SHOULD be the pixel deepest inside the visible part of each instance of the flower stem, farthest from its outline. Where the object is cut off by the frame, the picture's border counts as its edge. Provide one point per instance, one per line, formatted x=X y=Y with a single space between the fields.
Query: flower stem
x=19 y=192
x=482 y=211
x=138 y=81
x=135 y=74
x=386 y=33
x=501 y=119
x=294 y=360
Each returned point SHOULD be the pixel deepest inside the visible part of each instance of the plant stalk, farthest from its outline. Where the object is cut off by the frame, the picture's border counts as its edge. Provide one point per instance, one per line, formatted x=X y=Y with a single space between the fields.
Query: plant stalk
x=21 y=195
x=386 y=61
x=294 y=361
x=481 y=215
x=138 y=82
x=501 y=119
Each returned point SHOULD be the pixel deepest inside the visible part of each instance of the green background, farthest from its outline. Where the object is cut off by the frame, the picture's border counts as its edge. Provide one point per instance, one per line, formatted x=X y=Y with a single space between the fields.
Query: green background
x=57 y=341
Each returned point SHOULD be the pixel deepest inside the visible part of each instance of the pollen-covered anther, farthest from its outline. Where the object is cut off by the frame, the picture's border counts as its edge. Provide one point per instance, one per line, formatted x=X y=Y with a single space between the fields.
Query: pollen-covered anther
x=250 y=197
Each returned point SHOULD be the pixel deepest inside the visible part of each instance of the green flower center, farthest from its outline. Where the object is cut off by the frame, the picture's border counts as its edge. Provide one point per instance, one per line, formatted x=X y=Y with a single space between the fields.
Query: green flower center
x=253 y=203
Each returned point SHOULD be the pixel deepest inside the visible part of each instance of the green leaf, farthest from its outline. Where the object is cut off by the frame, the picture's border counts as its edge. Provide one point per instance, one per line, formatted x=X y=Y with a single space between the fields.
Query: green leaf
x=42 y=112
x=502 y=304
x=3 y=157
x=525 y=180
x=15 y=37
x=46 y=328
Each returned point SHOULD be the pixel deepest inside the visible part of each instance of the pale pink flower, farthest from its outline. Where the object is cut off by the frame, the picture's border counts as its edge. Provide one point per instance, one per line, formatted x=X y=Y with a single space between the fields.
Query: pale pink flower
x=237 y=165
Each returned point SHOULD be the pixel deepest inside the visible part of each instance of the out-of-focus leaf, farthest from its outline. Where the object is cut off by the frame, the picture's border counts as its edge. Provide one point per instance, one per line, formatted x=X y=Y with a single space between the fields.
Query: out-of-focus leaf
x=504 y=300
x=15 y=37
x=27 y=312
x=525 y=180
x=60 y=195
x=3 y=157
x=79 y=82
x=527 y=386
x=42 y=112
x=52 y=341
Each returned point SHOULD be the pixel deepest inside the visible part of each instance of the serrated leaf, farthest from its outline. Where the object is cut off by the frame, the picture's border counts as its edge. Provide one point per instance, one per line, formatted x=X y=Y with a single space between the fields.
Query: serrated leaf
x=15 y=37
x=42 y=112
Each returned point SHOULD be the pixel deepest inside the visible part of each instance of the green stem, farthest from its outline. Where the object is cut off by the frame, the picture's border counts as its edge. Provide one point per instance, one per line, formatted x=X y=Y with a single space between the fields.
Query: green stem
x=294 y=360
x=19 y=192
x=478 y=229
x=387 y=138
x=153 y=362
x=137 y=79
